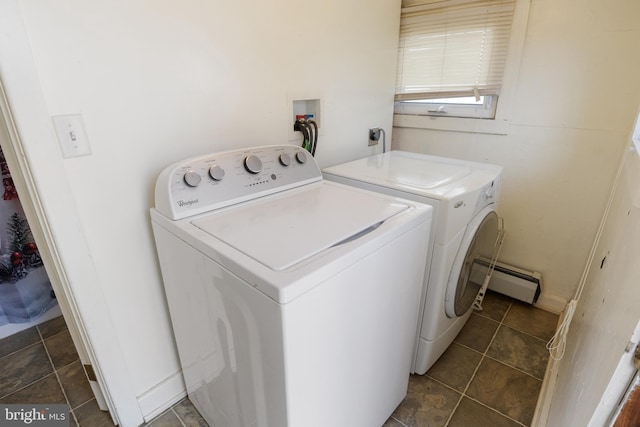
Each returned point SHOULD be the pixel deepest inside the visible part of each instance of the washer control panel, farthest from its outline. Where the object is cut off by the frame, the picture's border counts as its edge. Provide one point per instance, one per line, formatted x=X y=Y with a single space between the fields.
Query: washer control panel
x=213 y=181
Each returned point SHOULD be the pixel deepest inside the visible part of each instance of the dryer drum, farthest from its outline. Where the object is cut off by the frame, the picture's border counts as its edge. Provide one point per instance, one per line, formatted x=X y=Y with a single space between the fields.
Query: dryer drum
x=482 y=236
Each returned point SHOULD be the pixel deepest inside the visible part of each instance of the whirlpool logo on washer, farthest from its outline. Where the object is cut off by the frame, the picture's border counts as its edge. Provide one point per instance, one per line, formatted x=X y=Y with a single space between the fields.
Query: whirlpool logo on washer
x=187 y=203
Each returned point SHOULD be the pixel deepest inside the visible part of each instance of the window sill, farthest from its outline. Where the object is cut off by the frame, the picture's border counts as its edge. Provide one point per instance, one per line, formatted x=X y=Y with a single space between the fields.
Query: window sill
x=452 y=124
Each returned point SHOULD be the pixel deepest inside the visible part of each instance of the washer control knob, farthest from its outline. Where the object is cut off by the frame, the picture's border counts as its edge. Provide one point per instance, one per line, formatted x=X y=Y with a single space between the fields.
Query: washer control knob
x=253 y=164
x=192 y=178
x=285 y=159
x=301 y=157
x=216 y=172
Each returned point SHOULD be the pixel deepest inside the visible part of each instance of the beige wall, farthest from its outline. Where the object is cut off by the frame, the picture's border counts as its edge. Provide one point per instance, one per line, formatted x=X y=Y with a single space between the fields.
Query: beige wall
x=606 y=314
x=157 y=82
x=576 y=93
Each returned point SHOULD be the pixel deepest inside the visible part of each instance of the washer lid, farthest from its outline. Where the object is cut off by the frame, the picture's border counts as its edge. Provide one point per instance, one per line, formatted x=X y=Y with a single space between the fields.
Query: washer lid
x=282 y=230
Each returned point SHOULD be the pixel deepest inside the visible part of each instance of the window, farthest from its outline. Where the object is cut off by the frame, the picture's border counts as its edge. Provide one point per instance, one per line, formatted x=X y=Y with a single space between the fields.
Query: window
x=452 y=57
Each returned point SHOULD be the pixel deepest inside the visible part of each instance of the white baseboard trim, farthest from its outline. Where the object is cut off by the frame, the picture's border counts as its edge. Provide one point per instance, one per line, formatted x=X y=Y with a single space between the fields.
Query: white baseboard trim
x=541 y=414
x=551 y=303
x=162 y=396
x=545 y=397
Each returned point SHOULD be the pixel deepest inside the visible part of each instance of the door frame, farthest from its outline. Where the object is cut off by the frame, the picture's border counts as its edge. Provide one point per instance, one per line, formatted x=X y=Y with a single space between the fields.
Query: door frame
x=622 y=380
x=39 y=174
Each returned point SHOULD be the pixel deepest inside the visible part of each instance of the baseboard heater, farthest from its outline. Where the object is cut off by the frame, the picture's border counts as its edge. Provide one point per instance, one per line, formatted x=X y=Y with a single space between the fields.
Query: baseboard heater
x=508 y=280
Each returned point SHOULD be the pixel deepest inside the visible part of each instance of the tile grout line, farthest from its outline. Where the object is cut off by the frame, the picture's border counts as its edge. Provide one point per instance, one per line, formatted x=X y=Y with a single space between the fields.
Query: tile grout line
x=398 y=421
x=84 y=403
x=20 y=349
x=162 y=414
x=467 y=347
x=470 y=398
x=475 y=371
x=525 y=333
x=55 y=372
x=496 y=411
x=178 y=416
x=515 y=328
x=27 y=385
x=455 y=408
x=38 y=342
x=501 y=323
x=514 y=368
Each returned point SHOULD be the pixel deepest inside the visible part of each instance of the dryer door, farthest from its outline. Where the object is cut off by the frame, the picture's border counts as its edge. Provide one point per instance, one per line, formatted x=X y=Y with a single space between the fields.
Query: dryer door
x=479 y=241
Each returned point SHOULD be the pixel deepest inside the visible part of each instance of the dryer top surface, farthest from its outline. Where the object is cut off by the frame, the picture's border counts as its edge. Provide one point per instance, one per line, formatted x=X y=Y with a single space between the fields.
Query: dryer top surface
x=430 y=176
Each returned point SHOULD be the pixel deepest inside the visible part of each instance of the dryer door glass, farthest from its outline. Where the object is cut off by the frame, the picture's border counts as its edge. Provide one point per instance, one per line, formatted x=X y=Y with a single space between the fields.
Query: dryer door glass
x=482 y=235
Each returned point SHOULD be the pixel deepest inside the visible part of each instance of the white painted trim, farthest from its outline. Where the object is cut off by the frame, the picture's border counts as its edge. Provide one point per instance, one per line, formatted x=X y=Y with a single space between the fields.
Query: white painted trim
x=40 y=178
x=36 y=217
x=541 y=414
x=622 y=381
x=514 y=58
x=551 y=303
x=161 y=397
x=453 y=124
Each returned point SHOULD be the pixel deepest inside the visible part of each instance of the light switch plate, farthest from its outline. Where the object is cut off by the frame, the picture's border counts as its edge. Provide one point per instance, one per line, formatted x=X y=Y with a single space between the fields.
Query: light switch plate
x=72 y=135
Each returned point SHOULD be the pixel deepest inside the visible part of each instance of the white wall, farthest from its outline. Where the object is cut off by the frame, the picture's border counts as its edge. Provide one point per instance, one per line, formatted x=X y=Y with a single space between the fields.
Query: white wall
x=577 y=90
x=606 y=315
x=157 y=82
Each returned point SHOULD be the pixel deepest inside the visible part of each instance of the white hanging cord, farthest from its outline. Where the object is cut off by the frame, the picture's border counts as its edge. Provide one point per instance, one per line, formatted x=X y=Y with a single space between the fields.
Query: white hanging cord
x=557 y=344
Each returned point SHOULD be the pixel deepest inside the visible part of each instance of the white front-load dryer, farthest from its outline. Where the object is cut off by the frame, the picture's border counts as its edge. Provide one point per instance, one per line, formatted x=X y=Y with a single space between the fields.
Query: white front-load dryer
x=293 y=300
x=465 y=228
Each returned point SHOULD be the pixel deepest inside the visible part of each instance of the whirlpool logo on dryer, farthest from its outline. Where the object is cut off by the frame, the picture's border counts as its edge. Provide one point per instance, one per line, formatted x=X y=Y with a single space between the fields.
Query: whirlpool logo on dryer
x=187 y=203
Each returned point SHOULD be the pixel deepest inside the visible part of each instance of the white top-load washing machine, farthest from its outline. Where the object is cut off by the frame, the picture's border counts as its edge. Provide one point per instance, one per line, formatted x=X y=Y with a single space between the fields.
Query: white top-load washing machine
x=465 y=230
x=294 y=300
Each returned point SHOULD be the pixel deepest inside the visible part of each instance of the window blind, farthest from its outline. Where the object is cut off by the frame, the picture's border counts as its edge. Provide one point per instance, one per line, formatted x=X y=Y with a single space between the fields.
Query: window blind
x=451 y=48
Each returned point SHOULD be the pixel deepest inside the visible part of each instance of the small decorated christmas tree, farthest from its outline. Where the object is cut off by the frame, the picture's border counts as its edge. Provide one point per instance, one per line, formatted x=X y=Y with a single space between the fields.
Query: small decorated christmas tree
x=19 y=233
x=23 y=251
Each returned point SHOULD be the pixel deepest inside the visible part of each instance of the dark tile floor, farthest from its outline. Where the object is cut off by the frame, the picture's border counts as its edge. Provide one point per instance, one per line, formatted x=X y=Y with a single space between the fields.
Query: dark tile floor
x=490 y=376
x=40 y=365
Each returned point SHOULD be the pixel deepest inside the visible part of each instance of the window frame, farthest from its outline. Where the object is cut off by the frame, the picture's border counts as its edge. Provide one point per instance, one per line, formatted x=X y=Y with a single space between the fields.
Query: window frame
x=486 y=110
x=417 y=117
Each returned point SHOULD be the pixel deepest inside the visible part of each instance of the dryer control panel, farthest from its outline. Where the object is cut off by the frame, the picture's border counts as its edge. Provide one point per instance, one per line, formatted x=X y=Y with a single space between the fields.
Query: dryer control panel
x=213 y=181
